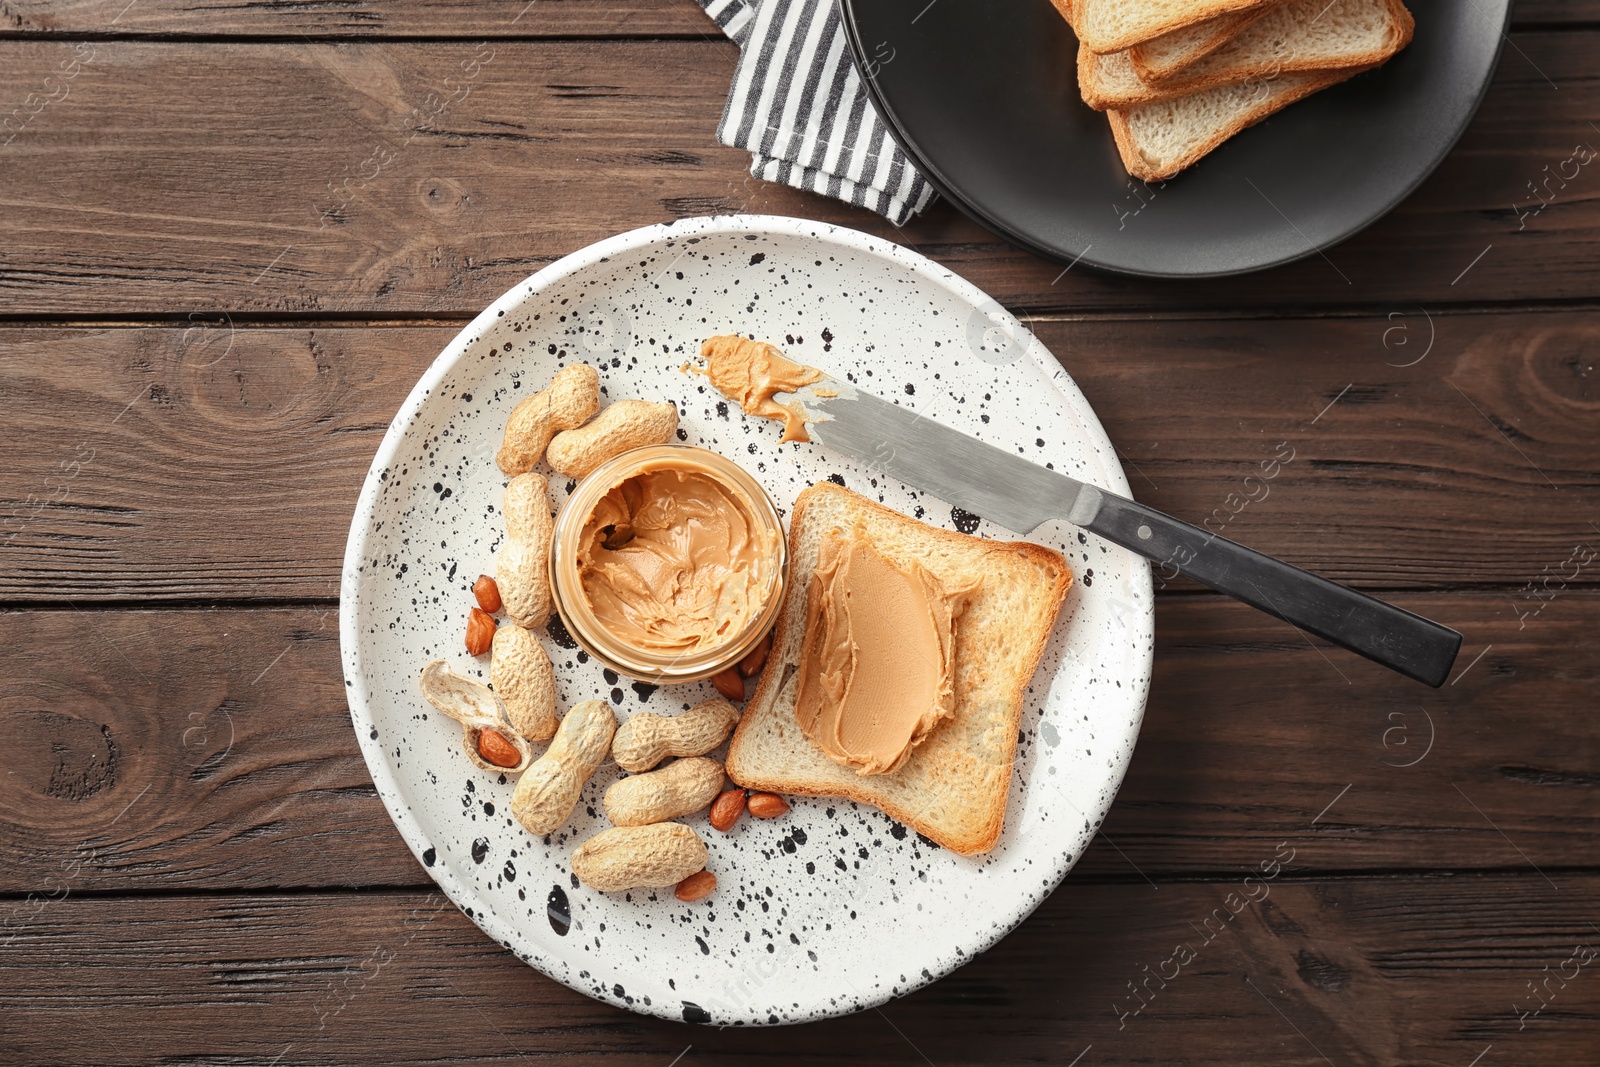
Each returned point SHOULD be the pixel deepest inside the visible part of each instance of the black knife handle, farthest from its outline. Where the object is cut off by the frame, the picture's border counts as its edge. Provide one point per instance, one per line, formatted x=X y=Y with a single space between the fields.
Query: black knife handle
x=1416 y=647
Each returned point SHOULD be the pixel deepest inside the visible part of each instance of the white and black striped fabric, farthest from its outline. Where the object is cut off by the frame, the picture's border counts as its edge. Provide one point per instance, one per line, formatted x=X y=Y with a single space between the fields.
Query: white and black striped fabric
x=798 y=106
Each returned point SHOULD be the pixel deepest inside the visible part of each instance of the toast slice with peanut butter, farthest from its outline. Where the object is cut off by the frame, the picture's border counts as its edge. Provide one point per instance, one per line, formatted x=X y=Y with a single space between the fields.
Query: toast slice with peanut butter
x=953 y=785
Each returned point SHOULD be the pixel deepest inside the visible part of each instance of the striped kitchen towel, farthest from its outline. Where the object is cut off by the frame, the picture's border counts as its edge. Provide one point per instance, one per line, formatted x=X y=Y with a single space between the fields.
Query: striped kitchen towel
x=798 y=106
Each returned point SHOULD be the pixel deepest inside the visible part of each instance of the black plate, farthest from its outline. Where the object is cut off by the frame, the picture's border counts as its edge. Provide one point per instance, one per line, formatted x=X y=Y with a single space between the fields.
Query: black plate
x=983 y=94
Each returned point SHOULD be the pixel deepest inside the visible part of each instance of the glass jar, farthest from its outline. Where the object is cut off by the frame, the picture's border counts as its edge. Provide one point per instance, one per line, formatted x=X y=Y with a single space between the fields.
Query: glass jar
x=753 y=593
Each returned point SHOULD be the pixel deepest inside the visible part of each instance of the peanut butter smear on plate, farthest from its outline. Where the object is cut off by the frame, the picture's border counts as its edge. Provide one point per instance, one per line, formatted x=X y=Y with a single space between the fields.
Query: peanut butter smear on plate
x=751 y=373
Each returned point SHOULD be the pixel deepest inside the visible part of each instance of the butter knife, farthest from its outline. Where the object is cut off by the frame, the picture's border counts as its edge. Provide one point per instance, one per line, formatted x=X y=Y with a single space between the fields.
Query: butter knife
x=1019 y=495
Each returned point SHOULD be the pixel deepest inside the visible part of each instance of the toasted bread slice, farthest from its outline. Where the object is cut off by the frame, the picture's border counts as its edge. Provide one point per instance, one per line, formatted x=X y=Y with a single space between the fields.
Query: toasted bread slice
x=1166 y=55
x=953 y=788
x=1304 y=35
x=1113 y=25
x=1158 y=140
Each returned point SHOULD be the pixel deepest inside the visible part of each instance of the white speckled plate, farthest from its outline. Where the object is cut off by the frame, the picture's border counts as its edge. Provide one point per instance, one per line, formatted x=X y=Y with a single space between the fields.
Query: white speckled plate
x=834 y=907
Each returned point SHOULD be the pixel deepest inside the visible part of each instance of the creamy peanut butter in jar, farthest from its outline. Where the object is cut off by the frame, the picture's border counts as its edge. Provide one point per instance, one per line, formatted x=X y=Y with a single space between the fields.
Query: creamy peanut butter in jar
x=667 y=563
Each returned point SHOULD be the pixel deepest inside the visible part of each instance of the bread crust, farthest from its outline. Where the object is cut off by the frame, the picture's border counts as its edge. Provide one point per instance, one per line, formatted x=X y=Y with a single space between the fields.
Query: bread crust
x=1139 y=168
x=1152 y=68
x=1097 y=97
x=1107 y=39
x=861 y=789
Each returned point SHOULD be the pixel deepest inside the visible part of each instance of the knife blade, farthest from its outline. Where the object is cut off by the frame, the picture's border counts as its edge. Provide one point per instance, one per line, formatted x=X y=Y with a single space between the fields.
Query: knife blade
x=1011 y=491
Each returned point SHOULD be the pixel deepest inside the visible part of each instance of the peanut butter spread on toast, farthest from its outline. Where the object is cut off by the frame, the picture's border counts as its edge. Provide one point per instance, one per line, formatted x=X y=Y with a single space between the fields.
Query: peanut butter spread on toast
x=878 y=657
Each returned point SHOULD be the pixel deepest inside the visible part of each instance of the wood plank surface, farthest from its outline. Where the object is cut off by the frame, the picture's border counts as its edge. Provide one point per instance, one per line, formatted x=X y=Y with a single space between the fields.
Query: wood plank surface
x=212 y=750
x=211 y=461
x=455 y=18
x=402 y=178
x=1350 y=971
x=1548 y=12
x=232 y=236
x=468 y=19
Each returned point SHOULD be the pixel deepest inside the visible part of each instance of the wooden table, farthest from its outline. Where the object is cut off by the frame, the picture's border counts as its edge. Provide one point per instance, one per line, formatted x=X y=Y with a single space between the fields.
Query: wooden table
x=235 y=233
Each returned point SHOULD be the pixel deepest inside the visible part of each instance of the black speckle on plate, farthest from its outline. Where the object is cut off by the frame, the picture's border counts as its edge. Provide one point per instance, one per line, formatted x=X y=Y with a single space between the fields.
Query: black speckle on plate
x=559 y=911
x=558 y=632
